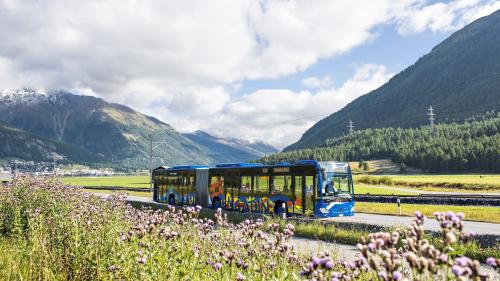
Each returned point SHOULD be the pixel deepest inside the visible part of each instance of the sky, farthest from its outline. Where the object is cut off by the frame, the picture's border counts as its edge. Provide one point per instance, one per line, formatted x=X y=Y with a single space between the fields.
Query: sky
x=252 y=69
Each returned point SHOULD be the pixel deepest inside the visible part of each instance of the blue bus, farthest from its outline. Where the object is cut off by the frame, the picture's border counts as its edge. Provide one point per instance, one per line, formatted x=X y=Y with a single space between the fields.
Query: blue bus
x=306 y=187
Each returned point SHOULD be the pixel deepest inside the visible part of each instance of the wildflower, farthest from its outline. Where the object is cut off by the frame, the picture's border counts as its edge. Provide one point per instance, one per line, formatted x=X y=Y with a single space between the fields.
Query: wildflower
x=457 y=270
x=328 y=265
x=491 y=261
x=397 y=276
x=240 y=277
x=372 y=247
x=217 y=266
x=382 y=275
x=315 y=262
x=450 y=238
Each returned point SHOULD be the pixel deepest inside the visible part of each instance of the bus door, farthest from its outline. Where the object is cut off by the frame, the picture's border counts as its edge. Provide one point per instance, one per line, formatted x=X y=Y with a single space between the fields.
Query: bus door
x=245 y=193
x=304 y=194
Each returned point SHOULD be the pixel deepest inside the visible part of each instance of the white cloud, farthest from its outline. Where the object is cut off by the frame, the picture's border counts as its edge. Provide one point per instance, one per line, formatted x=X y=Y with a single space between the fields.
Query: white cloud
x=267 y=114
x=317 y=83
x=441 y=17
x=110 y=46
x=180 y=60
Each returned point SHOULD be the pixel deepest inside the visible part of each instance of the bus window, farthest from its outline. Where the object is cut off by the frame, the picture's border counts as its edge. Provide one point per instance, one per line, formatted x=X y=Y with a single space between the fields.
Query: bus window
x=297 y=202
x=282 y=185
x=342 y=183
x=245 y=193
x=180 y=189
x=262 y=193
x=216 y=190
x=191 y=190
x=158 y=186
x=171 y=189
x=163 y=188
x=231 y=190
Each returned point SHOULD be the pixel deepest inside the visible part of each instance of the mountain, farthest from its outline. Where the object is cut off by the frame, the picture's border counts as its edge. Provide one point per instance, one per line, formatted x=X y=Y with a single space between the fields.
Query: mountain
x=223 y=150
x=36 y=125
x=23 y=145
x=109 y=131
x=460 y=78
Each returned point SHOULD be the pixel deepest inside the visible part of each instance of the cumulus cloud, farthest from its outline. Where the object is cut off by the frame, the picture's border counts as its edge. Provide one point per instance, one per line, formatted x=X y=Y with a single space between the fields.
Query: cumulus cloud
x=317 y=83
x=439 y=17
x=182 y=60
x=279 y=116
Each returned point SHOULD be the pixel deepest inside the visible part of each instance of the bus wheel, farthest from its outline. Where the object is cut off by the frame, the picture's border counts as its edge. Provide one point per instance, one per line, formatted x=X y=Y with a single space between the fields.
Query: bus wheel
x=171 y=200
x=279 y=210
x=216 y=204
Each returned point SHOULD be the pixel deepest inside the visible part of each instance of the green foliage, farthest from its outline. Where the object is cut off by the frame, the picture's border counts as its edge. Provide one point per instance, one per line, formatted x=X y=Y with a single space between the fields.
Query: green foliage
x=365 y=166
x=23 y=145
x=471 y=146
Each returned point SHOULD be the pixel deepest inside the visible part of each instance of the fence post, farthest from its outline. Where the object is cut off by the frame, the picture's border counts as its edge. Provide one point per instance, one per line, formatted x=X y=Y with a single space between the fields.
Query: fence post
x=399 y=206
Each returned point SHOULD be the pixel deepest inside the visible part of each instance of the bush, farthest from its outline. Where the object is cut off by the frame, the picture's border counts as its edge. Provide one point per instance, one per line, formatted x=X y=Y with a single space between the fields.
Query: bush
x=385 y=180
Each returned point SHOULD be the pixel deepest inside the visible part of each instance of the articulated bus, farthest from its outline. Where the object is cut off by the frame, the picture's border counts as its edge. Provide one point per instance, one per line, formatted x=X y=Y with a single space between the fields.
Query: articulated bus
x=306 y=187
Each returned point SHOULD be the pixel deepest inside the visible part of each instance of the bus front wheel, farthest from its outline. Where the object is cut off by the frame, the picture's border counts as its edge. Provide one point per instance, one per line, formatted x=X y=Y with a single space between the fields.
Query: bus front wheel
x=171 y=200
x=279 y=210
x=216 y=204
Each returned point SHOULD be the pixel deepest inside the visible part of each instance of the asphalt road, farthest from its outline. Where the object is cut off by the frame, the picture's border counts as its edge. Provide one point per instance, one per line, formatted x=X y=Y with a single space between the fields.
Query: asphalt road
x=430 y=223
x=388 y=220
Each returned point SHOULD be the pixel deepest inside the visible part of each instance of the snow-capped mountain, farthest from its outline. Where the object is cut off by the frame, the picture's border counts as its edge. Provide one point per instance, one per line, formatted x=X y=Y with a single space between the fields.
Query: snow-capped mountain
x=112 y=132
x=26 y=95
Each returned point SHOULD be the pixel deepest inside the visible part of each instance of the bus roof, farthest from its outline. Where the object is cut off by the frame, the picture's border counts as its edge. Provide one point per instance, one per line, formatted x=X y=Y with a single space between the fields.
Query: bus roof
x=238 y=165
x=188 y=167
x=315 y=163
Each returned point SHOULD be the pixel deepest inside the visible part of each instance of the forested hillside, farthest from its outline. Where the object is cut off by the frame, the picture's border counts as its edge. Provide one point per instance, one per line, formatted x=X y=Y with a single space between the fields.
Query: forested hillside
x=471 y=146
x=460 y=77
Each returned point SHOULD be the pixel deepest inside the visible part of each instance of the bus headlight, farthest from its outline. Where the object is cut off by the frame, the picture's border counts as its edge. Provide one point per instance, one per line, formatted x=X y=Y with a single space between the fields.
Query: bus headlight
x=323 y=210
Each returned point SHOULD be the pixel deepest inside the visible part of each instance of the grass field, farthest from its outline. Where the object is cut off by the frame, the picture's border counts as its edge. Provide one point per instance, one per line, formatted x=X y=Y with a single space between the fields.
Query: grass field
x=361 y=188
x=472 y=213
x=128 y=181
x=443 y=183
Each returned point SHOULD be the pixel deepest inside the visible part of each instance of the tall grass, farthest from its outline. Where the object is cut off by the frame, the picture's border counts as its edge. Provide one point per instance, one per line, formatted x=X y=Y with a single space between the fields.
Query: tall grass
x=49 y=231
x=437 y=182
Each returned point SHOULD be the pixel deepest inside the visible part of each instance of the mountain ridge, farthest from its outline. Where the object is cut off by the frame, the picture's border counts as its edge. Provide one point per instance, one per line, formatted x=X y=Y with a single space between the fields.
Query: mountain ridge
x=460 y=77
x=112 y=132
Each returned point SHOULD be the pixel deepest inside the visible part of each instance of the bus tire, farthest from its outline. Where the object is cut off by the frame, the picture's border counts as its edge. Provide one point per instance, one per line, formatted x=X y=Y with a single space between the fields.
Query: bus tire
x=216 y=203
x=171 y=200
x=278 y=209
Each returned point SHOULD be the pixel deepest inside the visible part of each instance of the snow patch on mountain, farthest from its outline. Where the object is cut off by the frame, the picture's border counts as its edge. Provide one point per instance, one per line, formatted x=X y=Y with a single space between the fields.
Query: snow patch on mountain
x=24 y=96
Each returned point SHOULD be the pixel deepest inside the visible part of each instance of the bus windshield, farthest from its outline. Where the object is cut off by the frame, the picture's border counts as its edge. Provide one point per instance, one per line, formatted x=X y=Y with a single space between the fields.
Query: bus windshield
x=336 y=184
x=341 y=183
